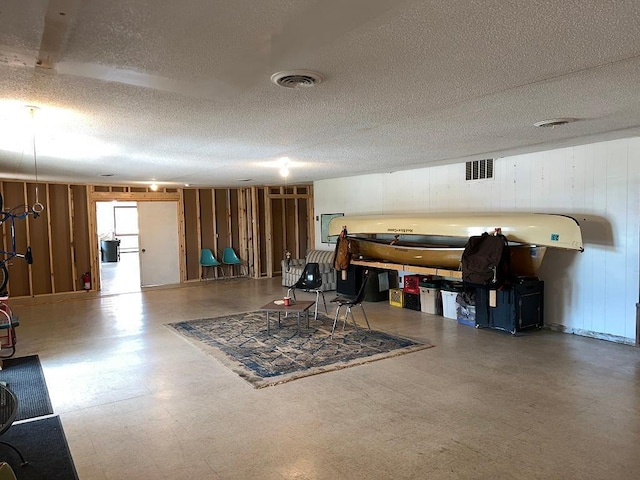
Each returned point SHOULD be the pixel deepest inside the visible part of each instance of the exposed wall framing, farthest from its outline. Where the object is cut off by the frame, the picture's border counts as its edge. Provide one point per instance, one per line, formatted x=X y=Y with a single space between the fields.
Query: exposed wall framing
x=216 y=218
x=259 y=223
x=59 y=238
x=289 y=215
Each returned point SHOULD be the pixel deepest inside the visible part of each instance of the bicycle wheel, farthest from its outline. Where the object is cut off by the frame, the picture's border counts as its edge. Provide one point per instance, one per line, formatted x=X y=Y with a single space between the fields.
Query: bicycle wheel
x=4 y=277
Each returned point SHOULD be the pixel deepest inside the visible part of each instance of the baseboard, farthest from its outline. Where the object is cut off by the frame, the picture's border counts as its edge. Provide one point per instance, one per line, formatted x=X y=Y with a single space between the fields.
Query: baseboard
x=590 y=334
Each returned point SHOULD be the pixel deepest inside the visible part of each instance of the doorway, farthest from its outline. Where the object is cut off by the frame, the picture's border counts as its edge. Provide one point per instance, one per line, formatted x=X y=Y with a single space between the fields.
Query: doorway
x=118 y=236
x=139 y=244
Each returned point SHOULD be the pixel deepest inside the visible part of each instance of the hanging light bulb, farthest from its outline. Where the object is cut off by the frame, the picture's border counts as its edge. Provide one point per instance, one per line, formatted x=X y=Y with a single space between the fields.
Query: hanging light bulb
x=284 y=170
x=154 y=187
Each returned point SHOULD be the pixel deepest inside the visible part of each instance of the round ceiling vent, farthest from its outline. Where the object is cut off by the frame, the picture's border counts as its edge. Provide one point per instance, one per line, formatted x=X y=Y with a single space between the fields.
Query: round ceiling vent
x=554 y=122
x=296 y=78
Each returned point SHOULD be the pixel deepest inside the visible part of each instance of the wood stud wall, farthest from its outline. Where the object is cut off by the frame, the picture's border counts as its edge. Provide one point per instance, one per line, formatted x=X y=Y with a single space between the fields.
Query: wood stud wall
x=259 y=223
x=59 y=238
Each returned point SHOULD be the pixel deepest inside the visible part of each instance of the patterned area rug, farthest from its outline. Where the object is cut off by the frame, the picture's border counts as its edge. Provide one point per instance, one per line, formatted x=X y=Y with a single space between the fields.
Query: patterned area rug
x=240 y=342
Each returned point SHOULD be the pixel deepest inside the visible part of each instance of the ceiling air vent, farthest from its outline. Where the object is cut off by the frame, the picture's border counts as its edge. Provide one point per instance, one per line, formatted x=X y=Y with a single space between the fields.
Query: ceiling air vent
x=296 y=78
x=554 y=122
x=479 y=169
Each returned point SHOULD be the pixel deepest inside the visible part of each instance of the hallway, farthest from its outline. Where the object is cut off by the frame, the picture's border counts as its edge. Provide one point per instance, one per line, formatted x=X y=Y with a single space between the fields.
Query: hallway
x=139 y=402
x=122 y=276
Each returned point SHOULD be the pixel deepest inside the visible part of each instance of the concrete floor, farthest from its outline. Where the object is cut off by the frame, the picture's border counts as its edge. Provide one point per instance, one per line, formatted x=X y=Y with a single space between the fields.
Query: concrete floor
x=139 y=402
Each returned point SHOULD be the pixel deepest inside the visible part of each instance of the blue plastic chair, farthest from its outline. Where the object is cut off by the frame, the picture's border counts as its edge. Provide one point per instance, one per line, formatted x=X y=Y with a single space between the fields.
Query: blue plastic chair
x=208 y=260
x=229 y=257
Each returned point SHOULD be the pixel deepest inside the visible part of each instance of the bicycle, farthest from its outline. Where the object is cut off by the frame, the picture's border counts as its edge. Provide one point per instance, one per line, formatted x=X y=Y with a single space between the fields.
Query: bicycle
x=10 y=216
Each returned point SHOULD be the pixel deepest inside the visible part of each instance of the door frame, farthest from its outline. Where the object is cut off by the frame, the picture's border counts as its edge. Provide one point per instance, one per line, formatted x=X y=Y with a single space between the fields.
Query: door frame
x=132 y=197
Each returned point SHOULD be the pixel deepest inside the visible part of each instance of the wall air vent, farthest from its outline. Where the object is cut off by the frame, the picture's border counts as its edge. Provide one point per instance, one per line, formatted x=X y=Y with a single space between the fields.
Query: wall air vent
x=479 y=169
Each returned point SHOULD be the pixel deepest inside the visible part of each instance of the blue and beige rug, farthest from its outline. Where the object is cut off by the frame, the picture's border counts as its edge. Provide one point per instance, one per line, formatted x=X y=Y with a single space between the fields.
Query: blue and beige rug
x=240 y=342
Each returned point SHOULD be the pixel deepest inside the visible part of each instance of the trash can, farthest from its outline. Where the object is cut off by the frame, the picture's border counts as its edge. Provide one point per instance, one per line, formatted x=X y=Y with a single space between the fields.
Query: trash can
x=110 y=250
x=449 y=291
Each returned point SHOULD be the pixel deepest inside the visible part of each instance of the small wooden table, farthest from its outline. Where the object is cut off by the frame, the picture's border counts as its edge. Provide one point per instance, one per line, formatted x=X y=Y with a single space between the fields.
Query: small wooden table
x=298 y=307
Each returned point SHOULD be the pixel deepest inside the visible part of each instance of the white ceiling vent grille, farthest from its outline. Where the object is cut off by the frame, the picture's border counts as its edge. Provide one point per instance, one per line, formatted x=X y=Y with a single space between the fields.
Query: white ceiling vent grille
x=296 y=78
x=479 y=169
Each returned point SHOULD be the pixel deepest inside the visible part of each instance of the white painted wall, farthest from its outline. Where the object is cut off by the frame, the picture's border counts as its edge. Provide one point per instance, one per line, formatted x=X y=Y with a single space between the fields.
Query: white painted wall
x=591 y=293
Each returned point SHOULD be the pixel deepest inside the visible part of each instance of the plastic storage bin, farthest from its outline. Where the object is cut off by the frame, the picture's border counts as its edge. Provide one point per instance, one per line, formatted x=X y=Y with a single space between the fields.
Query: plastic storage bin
x=429 y=300
x=449 y=304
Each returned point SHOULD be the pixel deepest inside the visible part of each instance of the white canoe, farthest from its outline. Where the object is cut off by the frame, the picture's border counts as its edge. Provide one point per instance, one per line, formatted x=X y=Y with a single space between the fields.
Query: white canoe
x=536 y=229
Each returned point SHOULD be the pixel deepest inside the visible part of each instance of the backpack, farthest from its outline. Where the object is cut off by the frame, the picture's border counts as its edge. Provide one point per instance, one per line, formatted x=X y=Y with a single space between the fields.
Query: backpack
x=486 y=260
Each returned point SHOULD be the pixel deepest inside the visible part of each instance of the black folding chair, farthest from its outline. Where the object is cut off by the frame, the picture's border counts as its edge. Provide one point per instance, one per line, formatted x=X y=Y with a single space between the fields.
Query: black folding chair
x=347 y=301
x=310 y=281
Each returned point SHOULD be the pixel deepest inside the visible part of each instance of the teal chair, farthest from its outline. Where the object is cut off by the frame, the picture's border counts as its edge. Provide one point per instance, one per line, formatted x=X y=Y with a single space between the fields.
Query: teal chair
x=229 y=257
x=208 y=261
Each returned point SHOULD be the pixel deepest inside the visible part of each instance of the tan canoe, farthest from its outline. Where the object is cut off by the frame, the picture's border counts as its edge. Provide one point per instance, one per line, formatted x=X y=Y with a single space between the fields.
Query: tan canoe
x=535 y=229
x=525 y=259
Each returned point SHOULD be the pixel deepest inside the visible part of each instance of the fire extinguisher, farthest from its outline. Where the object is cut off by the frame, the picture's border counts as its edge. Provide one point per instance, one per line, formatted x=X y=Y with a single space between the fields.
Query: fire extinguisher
x=86 y=281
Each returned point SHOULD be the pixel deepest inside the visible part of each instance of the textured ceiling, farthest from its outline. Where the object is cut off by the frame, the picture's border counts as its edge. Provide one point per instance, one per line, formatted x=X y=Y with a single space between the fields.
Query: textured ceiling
x=180 y=92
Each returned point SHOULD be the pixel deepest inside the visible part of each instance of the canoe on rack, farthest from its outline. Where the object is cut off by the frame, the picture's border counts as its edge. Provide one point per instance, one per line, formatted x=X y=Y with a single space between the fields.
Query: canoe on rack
x=437 y=240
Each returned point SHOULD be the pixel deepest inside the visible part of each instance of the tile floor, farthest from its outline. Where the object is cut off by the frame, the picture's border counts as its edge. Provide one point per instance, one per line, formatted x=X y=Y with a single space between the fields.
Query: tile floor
x=122 y=276
x=139 y=402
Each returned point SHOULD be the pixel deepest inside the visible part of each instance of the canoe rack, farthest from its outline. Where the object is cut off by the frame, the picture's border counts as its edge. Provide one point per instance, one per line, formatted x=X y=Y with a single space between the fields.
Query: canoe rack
x=440 y=272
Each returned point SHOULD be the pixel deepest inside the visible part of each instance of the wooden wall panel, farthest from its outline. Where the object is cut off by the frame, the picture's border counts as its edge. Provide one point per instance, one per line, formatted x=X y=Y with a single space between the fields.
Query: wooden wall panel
x=278 y=233
x=192 y=249
x=19 y=285
x=235 y=222
x=303 y=223
x=262 y=231
x=80 y=233
x=222 y=219
x=290 y=234
x=41 y=272
x=60 y=238
x=207 y=220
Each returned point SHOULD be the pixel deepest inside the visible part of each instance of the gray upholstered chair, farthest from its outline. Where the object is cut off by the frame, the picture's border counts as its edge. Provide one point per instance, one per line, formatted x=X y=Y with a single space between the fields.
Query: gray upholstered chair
x=293 y=267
